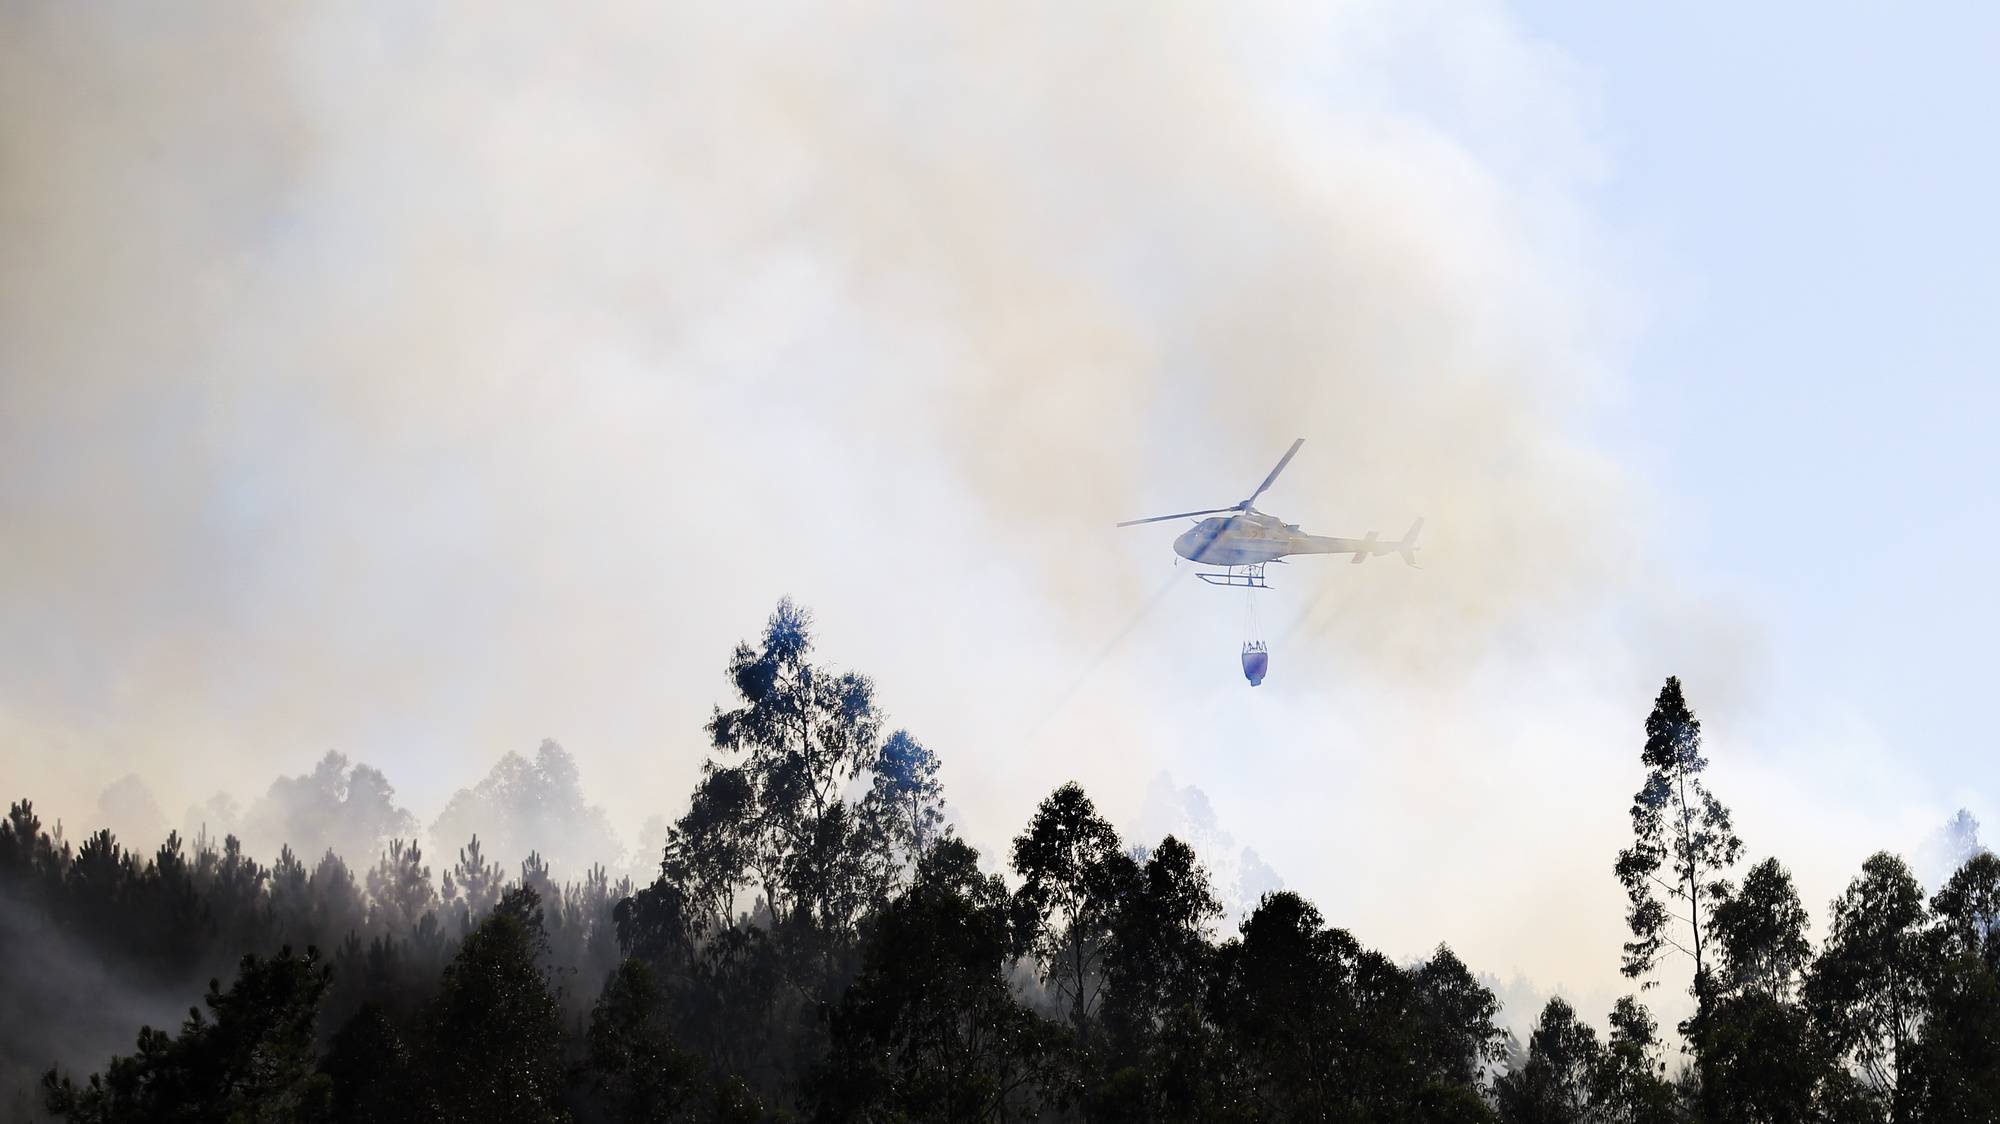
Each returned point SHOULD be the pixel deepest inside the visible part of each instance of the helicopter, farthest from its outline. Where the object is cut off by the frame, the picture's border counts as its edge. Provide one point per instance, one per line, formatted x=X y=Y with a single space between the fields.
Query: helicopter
x=1241 y=539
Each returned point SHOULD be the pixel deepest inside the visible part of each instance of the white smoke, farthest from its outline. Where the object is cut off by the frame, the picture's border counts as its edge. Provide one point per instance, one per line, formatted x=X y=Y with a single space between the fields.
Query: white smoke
x=415 y=380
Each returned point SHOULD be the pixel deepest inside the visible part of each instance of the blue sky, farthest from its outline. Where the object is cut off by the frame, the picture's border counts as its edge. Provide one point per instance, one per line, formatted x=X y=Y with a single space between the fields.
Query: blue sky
x=1806 y=194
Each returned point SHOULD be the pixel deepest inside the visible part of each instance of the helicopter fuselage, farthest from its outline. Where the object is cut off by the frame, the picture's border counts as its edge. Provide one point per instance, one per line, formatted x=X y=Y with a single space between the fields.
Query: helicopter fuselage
x=1241 y=536
x=1251 y=539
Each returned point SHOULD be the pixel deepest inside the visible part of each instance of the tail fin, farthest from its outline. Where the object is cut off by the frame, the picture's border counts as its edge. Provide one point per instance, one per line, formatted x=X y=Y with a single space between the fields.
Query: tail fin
x=1408 y=547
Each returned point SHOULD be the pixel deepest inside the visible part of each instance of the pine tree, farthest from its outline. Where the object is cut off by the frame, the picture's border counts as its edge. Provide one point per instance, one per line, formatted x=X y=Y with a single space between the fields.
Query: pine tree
x=251 y=1061
x=493 y=1035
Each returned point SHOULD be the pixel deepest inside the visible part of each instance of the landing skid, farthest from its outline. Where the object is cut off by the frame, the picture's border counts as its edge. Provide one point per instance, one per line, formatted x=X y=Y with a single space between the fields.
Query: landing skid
x=1237 y=577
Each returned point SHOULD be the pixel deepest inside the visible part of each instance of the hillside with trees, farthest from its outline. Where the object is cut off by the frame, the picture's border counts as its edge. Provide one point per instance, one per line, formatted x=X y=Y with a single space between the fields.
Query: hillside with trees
x=819 y=945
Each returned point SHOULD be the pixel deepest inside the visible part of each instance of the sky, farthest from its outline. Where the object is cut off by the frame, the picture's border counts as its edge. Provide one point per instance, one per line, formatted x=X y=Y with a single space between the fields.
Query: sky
x=422 y=381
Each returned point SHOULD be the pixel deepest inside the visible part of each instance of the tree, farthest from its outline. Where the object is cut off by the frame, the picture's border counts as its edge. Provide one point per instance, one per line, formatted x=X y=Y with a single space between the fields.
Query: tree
x=1074 y=878
x=342 y=807
x=1867 y=989
x=1761 y=1058
x=1632 y=1087
x=1761 y=933
x=1165 y=1048
x=532 y=804
x=803 y=733
x=400 y=888
x=637 y=1070
x=710 y=850
x=251 y=1062
x=1322 y=1027
x=1556 y=1083
x=337 y=907
x=928 y=1030
x=1677 y=824
x=290 y=900
x=493 y=1035
x=1967 y=909
x=1456 y=1034
x=475 y=884
x=369 y=1069
x=1955 y=1074
x=903 y=812
x=1764 y=1063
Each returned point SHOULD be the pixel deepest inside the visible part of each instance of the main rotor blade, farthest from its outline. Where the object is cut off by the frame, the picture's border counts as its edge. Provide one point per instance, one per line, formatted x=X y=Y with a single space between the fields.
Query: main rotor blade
x=1287 y=459
x=1180 y=515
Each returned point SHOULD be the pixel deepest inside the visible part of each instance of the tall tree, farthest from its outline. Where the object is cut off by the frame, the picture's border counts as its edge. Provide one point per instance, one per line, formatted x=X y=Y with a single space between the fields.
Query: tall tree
x=1956 y=1073
x=803 y=733
x=1075 y=876
x=1678 y=826
x=369 y=1068
x=1866 y=992
x=1321 y=1026
x=1761 y=1058
x=1632 y=1086
x=1555 y=1085
x=400 y=888
x=1457 y=1039
x=1761 y=931
x=928 y=1030
x=1159 y=966
x=477 y=883
x=903 y=812
x=637 y=1070
x=492 y=1048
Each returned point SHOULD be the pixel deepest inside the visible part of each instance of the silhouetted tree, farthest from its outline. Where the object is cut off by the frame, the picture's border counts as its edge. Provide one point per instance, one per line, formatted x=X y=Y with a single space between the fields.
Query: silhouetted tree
x=1867 y=990
x=1632 y=1086
x=492 y=1046
x=253 y=1061
x=903 y=812
x=1761 y=1056
x=1323 y=1028
x=1760 y=931
x=710 y=850
x=803 y=733
x=1159 y=965
x=368 y=1066
x=1075 y=877
x=1955 y=1074
x=1679 y=825
x=1556 y=1084
x=474 y=885
x=399 y=888
x=337 y=905
x=636 y=1070
x=928 y=1030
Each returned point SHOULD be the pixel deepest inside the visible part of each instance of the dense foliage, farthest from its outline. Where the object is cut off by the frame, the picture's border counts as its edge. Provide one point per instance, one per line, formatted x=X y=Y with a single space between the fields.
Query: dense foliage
x=820 y=945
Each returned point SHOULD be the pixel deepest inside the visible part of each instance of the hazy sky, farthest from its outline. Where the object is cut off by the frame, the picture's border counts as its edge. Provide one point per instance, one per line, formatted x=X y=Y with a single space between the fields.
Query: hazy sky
x=423 y=381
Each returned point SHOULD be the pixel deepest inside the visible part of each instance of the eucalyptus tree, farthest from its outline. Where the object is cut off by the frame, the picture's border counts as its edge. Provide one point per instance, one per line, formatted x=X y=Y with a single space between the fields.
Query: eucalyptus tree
x=1867 y=991
x=1075 y=878
x=1681 y=830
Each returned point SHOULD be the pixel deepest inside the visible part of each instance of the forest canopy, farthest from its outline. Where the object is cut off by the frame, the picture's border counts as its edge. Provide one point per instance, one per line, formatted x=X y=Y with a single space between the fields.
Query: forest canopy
x=817 y=943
